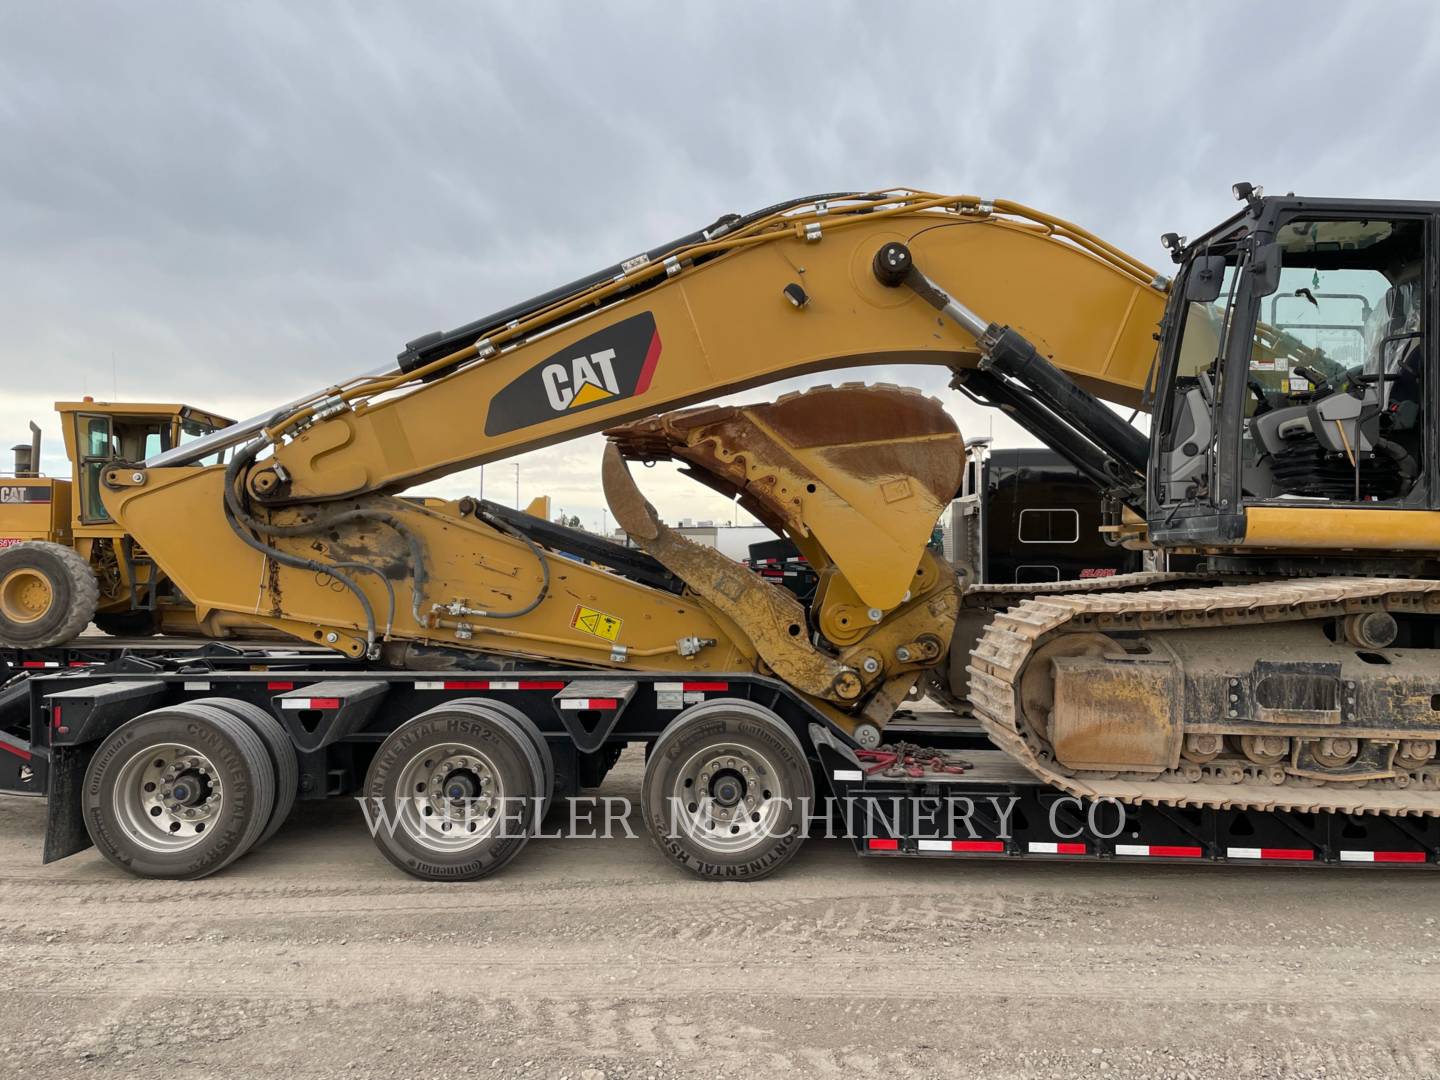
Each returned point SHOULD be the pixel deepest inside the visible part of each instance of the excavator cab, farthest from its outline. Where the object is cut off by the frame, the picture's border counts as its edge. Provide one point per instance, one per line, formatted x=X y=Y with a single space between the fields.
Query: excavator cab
x=1292 y=374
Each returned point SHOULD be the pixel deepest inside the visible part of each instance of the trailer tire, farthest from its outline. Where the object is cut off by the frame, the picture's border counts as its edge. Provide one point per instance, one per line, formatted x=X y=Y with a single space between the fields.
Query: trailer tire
x=546 y=780
x=489 y=776
x=756 y=784
x=282 y=757
x=48 y=594
x=151 y=770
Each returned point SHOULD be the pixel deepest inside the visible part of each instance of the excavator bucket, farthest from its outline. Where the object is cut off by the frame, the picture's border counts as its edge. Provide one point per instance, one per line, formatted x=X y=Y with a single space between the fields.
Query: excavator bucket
x=864 y=470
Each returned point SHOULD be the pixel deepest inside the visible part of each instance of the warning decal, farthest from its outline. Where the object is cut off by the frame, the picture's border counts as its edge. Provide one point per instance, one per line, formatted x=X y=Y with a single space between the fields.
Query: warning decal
x=589 y=621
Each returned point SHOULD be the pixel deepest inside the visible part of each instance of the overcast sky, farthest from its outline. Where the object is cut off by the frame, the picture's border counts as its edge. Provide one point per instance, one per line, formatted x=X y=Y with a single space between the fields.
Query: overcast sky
x=232 y=204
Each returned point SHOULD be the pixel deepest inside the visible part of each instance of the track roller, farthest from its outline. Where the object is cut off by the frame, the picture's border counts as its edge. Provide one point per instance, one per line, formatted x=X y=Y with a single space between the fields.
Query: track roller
x=179 y=792
x=452 y=795
x=727 y=790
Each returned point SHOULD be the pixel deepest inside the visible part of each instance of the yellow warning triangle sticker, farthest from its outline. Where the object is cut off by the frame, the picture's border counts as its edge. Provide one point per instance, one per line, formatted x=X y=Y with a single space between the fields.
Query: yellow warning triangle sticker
x=588 y=393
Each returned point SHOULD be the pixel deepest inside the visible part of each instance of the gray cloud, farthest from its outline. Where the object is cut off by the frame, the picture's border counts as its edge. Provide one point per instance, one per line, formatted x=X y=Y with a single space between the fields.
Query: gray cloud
x=232 y=204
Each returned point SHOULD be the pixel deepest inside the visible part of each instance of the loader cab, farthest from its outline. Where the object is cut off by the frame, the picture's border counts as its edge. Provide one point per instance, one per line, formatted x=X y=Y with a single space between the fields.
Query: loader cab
x=1294 y=376
x=99 y=433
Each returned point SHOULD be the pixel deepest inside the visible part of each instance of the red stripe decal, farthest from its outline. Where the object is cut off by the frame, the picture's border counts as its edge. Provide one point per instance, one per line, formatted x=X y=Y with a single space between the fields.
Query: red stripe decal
x=467 y=684
x=977 y=845
x=884 y=845
x=1172 y=851
x=540 y=684
x=324 y=703
x=706 y=685
x=1399 y=856
x=647 y=370
x=280 y=686
x=23 y=755
x=1291 y=854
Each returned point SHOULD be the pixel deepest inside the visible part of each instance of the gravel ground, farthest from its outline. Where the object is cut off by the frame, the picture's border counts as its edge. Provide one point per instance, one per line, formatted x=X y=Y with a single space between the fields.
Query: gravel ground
x=313 y=957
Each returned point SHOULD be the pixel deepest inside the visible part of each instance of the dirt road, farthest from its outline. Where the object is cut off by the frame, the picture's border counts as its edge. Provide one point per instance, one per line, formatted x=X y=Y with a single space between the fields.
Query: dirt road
x=313 y=957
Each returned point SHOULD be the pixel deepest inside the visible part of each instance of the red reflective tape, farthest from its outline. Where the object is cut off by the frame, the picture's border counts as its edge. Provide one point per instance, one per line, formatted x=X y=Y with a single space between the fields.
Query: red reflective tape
x=1070 y=849
x=977 y=845
x=23 y=755
x=33 y=663
x=84 y=663
x=280 y=686
x=1173 y=851
x=467 y=684
x=647 y=368
x=1399 y=856
x=604 y=703
x=884 y=845
x=536 y=684
x=705 y=686
x=55 y=715
x=1291 y=854
x=324 y=703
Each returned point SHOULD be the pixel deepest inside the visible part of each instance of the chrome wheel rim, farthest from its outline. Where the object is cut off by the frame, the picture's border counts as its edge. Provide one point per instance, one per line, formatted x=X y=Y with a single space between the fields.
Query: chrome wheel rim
x=727 y=798
x=167 y=797
x=450 y=798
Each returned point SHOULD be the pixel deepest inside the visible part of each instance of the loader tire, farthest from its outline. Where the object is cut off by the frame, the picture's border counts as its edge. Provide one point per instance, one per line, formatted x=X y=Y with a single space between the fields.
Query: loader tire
x=282 y=757
x=727 y=791
x=179 y=792
x=48 y=595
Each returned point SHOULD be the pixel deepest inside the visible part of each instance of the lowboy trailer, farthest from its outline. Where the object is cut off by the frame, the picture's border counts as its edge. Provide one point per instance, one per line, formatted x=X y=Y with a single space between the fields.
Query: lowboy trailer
x=139 y=747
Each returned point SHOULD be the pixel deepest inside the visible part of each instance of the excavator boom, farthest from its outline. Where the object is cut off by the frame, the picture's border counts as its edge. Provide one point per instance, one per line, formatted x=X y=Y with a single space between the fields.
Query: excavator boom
x=301 y=531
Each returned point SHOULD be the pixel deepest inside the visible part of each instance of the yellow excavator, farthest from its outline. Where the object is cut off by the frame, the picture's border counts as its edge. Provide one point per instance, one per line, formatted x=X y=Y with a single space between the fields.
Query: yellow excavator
x=1290 y=451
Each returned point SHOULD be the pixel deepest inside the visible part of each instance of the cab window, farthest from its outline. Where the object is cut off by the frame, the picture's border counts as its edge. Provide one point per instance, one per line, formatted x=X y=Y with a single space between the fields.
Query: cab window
x=1335 y=400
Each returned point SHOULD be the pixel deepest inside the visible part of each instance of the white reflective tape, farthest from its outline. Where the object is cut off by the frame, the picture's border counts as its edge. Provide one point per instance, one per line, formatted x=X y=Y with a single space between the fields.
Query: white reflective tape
x=197 y=686
x=934 y=845
x=1357 y=856
x=429 y=686
x=295 y=703
x=669 y=687
x=1243 y=852
x=1132 y=849
x=847 y=774
x=1044 y=847
x=504 y=685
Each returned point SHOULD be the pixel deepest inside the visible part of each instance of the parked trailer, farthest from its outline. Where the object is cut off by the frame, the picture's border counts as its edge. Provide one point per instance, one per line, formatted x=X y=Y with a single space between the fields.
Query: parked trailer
x=175 y=761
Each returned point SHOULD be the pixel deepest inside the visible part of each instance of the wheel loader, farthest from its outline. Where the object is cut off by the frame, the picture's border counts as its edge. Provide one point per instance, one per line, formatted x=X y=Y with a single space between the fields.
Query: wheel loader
x=64 y=561
x=1290 y=455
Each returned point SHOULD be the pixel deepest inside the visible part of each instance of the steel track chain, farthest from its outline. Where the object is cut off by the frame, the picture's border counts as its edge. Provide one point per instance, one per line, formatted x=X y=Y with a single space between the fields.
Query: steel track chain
x=1012 y=636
